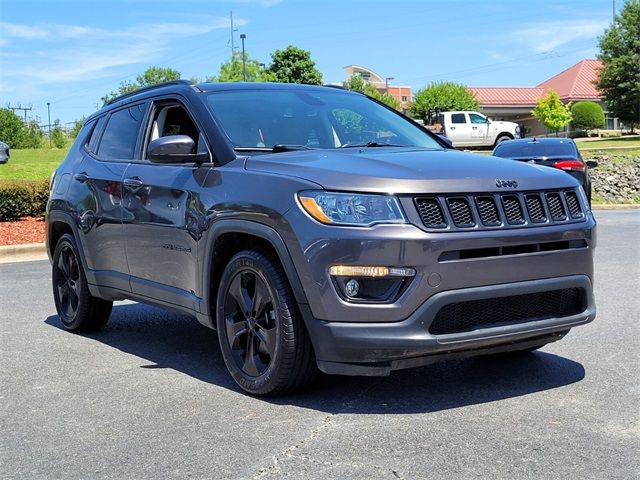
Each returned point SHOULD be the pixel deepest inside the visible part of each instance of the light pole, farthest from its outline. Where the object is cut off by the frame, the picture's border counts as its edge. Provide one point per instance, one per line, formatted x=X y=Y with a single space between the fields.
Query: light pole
x=244 y=66
x=386 y=83
x=49 y=116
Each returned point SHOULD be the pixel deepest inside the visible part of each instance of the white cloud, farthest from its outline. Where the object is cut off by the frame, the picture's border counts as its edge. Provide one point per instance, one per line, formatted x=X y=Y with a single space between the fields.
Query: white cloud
x=78 y=52
x=550 y=35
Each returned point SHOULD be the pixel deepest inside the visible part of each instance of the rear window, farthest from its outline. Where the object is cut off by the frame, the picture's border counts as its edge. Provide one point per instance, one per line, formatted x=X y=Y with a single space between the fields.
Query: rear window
x=534 y=149
x=121 y=133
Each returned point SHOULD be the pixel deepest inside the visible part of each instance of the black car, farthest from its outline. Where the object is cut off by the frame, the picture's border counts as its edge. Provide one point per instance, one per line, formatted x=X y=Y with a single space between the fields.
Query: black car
x=313 y=228
x=561 y=153
x=4 y=153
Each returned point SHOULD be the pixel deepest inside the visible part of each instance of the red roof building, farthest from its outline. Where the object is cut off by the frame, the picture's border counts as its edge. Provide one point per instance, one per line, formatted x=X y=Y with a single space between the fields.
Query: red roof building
x=515 y=103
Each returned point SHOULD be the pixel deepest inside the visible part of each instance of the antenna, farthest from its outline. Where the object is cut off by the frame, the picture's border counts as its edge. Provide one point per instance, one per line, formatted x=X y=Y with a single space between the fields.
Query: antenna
x=232 y=42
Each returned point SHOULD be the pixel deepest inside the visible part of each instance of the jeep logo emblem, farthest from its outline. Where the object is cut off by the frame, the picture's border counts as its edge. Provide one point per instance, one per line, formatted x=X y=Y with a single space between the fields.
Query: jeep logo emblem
x=506 y=183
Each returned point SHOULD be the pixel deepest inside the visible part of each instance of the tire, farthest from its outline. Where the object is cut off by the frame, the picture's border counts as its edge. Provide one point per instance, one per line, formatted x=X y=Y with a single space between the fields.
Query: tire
x=263 y=339
x=77 y=308
x=502 y=138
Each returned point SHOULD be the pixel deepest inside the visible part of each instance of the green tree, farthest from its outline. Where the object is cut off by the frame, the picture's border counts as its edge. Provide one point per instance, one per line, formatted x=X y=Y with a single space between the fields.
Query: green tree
x=58 y=138
x=232 y=70
x=151 y=76
x=357 y=84
x=16 y=134
x=294 y=65
x=619 y=79
x=587 y=115
x=551 y=112
x=443 y=97
x=77 y=125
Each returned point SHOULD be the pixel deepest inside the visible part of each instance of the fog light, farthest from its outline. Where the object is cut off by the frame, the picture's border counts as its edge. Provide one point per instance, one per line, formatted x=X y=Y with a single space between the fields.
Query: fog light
x=352 y=288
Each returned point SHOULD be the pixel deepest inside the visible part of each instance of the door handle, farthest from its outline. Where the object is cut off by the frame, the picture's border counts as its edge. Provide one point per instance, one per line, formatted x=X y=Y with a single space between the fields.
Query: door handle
x=474 y=128
x=132 y=183
x=453 y=128
x=81 y=177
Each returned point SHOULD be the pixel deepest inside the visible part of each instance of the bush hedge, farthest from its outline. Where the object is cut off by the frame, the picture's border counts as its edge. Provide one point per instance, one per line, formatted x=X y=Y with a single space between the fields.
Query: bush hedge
x=23 y=198
x=587 y=115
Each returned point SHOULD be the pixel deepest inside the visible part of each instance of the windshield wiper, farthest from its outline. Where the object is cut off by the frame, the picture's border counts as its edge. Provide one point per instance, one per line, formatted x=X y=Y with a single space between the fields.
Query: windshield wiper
x=370 y=144
x=275 y=149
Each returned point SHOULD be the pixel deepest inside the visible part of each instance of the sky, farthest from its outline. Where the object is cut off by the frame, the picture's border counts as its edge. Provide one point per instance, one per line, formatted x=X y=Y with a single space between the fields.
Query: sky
x=71 y=53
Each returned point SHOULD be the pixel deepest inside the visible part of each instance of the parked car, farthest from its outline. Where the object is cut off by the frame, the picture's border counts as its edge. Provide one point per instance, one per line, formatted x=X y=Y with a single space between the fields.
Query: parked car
x=4 y=153
x=472 y=129
x=560 y=153
x=314 y=228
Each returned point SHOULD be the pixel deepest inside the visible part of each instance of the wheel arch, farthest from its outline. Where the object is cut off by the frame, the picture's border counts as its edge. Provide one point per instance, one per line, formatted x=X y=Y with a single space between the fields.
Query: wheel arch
x=226 y=238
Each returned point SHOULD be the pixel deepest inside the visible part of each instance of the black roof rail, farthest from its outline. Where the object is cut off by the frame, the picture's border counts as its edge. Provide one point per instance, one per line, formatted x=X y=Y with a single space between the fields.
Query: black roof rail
x=146 y=89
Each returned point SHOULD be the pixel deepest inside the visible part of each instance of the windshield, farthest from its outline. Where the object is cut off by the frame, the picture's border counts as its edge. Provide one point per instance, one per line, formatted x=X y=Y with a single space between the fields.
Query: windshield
x=319 y=118
x=534 y=149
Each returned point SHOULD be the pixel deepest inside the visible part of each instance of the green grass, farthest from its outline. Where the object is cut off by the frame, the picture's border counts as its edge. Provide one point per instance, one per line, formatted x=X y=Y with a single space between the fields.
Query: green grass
x=626 y=142
x=32 y=163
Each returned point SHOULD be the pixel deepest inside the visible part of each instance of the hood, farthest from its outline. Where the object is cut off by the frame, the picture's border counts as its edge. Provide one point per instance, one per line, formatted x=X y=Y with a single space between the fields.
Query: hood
x=402 y=170
x=503 y=123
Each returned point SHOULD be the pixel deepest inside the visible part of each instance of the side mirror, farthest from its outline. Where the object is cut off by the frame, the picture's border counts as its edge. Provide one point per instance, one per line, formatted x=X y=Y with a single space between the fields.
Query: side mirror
x=591 y=163
x=172 y=149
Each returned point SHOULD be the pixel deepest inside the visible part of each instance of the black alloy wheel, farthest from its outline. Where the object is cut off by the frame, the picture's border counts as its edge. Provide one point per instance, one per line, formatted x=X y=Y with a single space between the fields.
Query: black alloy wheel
x=262 y=336
x=77 y=308
x=250 y=322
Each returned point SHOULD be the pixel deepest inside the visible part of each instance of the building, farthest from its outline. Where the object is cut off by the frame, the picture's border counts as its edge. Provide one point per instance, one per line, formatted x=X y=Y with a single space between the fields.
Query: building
x=514 y=104
x=402 y=93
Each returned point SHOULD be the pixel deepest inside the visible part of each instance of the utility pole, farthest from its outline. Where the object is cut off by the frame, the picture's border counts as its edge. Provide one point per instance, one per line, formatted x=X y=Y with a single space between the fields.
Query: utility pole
x=20 y=107
x=614 y=10
x=244 y=66
x=232 y=41
x=49 y=116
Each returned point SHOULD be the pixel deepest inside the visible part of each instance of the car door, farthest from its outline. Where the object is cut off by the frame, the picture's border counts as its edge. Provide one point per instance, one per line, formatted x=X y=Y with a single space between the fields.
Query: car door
x=164 y=217
x=459 y=130
x=479 y=129
x=111 y=148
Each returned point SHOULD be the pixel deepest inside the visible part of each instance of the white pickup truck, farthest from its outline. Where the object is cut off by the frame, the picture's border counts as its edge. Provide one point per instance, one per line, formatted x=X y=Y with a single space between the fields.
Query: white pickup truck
x=472 y=129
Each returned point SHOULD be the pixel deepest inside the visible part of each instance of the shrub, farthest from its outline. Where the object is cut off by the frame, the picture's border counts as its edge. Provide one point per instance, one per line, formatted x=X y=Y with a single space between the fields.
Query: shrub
x=587 y=115
x=25 y=198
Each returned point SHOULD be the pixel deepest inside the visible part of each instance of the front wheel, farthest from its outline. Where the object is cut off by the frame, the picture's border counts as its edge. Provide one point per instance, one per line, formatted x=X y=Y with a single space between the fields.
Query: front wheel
x=77 y=308
x=262 y=336
x=502 y=138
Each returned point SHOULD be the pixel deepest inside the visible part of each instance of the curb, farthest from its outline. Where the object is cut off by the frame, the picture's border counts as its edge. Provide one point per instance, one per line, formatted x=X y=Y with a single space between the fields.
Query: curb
x=23 y=252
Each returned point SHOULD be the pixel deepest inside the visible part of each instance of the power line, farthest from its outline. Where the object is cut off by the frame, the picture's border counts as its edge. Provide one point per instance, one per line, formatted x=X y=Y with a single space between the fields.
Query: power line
x=20 y=107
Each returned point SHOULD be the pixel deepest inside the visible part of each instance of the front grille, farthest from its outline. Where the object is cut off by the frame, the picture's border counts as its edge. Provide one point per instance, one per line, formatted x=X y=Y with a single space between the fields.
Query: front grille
x=535 y=207
x=513 y=209
x=574 y=204
x=430 y=212
x=460 y=212
x=496 y=312
x=488 y=211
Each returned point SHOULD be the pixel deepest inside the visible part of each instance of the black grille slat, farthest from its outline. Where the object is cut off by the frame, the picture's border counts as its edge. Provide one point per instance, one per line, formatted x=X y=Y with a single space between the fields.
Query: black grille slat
x=431 y=212
x=574 y=205
x=493 y=312
x=513 y=209
x=535 y=207
x=500 y=210
x=460 y=211
x=556 y=207
x=488 y=211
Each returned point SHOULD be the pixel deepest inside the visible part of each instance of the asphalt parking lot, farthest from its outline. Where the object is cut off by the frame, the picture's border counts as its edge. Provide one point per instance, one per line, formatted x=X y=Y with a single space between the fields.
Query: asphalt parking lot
x=149 y=397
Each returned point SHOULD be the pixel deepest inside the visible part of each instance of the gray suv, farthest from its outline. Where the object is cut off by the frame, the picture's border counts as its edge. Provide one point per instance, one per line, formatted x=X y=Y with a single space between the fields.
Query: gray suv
x=313 y=228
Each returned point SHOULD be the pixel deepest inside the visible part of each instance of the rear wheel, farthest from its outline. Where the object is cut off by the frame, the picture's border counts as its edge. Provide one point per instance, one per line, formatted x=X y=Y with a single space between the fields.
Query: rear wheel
x=262 y=336
x=77 y=308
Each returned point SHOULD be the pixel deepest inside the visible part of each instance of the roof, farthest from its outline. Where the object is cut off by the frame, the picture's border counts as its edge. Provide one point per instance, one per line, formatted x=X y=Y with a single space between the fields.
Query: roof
x=575 y=83
x=507 y=95
x=351 y=69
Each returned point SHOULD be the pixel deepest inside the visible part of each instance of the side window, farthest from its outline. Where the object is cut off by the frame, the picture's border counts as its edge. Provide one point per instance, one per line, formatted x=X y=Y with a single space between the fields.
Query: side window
x=475 y=118
x=121 y=133
x=174 y=120
x=458 y=118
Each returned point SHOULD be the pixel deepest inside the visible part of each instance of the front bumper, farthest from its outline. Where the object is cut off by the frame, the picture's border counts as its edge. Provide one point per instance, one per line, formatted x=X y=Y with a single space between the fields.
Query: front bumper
x=374 y=349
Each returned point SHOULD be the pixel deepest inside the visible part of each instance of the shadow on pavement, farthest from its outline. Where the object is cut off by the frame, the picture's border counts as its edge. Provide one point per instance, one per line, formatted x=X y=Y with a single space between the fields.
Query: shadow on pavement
x=181 y=343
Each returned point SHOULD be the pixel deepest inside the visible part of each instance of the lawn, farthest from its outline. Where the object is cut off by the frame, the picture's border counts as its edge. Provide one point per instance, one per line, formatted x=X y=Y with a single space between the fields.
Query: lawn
x=604 y=143
x=32 y=164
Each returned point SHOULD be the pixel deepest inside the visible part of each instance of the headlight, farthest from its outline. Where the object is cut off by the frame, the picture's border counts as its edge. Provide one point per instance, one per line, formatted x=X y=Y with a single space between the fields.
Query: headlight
x=518 y=129
x=351 y=209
